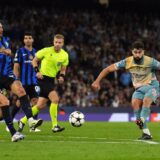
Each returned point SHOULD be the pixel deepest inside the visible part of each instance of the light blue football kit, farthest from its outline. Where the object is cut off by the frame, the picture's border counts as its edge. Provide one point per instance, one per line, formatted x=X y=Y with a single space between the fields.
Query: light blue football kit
x=143 y=76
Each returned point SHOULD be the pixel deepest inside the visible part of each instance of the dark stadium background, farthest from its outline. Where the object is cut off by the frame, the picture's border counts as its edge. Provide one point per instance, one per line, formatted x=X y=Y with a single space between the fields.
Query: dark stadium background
x=81 y=4
x=142 y=14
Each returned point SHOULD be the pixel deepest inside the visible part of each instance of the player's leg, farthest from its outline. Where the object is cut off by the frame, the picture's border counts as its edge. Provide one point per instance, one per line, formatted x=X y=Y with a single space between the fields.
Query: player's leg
x=5 y=112
x=149 y=97
x=54 y=98
x=15 y=106
x=137 y=100
x=33 y=96
x=145 y=112
x=4 y=104
x=17 y=88
x=35 y=110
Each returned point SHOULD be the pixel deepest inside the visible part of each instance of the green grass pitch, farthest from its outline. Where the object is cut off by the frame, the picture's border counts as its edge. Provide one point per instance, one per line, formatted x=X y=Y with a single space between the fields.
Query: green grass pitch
x=92 y=141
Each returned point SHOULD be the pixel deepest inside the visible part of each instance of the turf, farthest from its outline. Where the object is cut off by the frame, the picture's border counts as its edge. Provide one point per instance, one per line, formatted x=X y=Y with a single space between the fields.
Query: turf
x=92 y=141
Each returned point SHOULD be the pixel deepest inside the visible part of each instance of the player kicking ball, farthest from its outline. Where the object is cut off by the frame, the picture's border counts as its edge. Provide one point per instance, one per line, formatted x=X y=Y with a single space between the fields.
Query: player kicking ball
x=142 y=69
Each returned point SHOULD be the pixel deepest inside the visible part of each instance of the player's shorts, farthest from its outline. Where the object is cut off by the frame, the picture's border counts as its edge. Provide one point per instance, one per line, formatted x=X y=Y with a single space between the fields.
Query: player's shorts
x=6 y=82
x=32 y=91
x=46 y=86
x=146 y=91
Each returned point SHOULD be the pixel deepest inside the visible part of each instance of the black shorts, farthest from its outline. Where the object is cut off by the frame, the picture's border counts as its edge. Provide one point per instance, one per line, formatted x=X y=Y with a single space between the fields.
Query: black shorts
x=46 y=86
x=32 y=91
x=6 y=82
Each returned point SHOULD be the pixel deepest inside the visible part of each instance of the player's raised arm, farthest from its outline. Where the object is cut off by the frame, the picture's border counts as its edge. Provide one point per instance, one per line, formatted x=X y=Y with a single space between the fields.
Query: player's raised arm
x=103 y=73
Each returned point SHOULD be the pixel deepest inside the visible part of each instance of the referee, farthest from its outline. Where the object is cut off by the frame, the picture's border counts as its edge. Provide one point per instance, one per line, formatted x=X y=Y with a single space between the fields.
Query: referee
x=53 y=62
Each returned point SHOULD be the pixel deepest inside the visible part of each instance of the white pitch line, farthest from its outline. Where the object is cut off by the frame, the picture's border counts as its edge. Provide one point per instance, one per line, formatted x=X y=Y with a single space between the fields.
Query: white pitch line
x=93 y=138
x=107 y=140
x=102 y=138
x=91 y=142
x=149 y=142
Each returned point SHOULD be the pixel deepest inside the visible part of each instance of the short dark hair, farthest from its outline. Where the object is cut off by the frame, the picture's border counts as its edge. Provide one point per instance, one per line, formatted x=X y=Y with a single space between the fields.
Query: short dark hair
x=137 y=44
x=27 y=33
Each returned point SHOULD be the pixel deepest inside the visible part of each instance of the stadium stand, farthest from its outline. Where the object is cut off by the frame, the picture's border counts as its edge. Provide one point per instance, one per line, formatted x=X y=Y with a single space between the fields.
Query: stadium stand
x=97 y=38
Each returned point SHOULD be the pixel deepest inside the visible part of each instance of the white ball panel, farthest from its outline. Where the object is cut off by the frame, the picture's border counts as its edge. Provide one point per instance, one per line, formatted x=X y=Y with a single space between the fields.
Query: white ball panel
x=81 y=115
x=82 y=121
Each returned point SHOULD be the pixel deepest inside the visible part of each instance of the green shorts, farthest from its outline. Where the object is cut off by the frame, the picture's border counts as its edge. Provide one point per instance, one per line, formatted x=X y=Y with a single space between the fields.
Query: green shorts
x=146 y=91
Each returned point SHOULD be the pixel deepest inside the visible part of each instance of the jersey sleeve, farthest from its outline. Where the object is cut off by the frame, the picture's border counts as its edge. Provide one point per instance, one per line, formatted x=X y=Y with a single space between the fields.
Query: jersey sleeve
x=155 y=64
x=40 y=54
x=66 y=61
x=17 y=57
x=121 y=64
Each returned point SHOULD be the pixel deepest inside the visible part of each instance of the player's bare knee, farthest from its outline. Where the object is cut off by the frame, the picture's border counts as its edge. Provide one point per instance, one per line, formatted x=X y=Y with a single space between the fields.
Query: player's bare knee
x=147 y=102
x=55 y=100
x=134 y=105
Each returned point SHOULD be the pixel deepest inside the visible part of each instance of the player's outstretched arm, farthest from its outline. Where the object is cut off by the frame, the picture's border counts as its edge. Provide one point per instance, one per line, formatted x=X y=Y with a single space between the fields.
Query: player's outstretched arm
x=103 y=73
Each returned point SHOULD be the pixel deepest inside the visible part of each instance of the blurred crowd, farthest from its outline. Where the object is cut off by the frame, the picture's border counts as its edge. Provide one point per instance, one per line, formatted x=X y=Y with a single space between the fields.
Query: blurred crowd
x=94 y=39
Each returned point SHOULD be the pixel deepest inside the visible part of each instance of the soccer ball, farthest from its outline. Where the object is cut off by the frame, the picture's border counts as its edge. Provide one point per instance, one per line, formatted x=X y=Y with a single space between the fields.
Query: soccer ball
x=76 y=119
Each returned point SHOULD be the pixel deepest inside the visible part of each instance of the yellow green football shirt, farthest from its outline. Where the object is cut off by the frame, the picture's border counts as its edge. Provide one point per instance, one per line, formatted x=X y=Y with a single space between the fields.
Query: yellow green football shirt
x=52 y=61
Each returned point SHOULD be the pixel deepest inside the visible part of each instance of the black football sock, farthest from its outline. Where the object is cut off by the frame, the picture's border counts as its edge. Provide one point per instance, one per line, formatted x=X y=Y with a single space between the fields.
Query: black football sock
x=8 y=120
x=14 y=111
x=26 y=107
